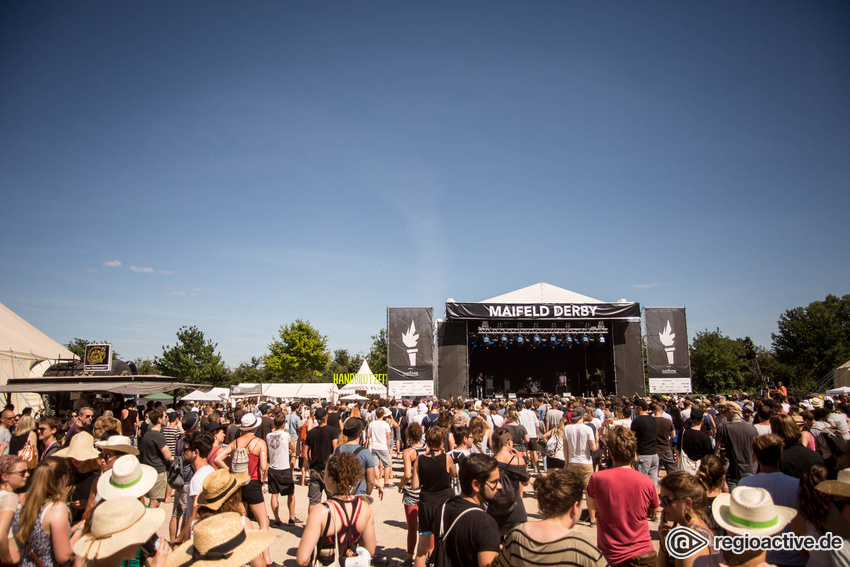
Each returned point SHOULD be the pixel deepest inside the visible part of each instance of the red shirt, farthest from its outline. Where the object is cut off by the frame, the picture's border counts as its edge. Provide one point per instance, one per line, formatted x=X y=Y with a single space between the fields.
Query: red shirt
x=623 y=499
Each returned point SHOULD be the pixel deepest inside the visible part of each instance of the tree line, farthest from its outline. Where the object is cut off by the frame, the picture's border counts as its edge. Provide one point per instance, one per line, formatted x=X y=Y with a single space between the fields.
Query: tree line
x=810 y=342
x=300 y=353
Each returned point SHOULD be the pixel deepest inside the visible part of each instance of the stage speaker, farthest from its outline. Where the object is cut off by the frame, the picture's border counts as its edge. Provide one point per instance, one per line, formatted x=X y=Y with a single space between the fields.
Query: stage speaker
x=507 y=385
x=488 y=387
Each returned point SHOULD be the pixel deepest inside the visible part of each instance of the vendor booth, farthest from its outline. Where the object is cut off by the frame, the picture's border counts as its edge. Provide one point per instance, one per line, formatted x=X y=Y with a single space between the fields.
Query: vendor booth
x=540 y=339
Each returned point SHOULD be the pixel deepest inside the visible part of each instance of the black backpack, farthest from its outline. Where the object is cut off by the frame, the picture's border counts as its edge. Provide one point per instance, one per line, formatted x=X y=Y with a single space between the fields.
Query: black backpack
x=504 y=501
x=175 y=468
x=439 y=557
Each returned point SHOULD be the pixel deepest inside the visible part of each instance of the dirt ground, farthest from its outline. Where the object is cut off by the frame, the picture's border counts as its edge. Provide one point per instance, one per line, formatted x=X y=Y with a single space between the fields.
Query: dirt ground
x=390 y=525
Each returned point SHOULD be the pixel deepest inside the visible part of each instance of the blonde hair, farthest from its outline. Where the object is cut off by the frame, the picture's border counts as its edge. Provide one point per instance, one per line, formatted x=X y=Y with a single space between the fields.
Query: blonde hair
x=25 y=424
x=45 y=487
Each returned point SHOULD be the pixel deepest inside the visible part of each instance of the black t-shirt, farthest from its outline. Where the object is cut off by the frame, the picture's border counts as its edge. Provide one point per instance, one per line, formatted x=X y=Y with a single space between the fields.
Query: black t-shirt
x=333 y=419
x=476 y=531
x=695 y=443
x=150 y=450
x=320 y=441
x=662 y=438
x=737 y=438
x=646 y=430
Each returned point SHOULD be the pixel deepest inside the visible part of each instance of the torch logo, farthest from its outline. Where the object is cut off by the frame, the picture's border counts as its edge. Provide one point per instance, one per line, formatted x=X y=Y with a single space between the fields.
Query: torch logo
x=667 y=338
x=410 y=338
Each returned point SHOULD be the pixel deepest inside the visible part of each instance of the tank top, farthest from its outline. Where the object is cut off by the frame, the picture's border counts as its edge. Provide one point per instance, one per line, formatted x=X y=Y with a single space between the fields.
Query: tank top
x=347 y=528
x=409 y=496
x=39 y=540
x=253 y=460
x=128 y=425
x=435 y=480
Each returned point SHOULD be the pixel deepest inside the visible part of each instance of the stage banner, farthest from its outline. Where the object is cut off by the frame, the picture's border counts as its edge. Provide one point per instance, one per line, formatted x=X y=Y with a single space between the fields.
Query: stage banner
x=667 y=343
x=670 y=386
x=410 y=343
x=563 y=311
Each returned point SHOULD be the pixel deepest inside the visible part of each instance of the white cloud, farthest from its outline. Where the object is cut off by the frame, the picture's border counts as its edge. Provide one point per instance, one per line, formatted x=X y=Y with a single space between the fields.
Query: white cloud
x=141 y=270
x=112 y=263
x=166 y=272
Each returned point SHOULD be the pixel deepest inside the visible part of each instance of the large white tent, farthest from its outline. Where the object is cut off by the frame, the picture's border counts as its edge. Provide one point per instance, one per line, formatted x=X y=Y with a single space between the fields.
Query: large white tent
x=323 y=390
x=214 y=395
x=25 y=352
x=366 y=380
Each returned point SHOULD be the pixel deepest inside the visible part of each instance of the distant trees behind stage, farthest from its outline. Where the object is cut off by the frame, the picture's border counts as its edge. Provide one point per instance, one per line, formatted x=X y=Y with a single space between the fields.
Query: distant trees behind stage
x=811 y=341
x=299 y=353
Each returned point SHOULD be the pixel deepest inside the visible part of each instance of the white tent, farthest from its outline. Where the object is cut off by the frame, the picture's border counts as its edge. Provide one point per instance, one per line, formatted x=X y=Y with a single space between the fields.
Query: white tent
x=845 y=390
x=25 y=352
x=366 y=380
x=842 y=375
x=214 y=395
x=325 y=390
x=542 y=293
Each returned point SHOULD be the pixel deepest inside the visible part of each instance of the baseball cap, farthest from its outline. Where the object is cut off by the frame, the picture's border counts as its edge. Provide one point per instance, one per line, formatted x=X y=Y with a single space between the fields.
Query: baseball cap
x=578 y=413
x=321 y=413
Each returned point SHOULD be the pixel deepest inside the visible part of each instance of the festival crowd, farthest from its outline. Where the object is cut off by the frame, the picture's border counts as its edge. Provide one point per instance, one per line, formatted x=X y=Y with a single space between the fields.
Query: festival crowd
x=89 y=490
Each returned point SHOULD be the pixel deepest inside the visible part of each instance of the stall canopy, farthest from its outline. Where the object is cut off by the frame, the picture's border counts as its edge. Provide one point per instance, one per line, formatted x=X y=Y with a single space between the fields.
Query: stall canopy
x=325 y=390
x=366 y=380
x=25 y=352
x=125 y=385
x=214 y=395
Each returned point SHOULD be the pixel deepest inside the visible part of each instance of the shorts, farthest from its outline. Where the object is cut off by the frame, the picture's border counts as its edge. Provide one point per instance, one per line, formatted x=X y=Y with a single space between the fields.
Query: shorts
x=252 y=493
x=383 y=456
x=157 y=492
x=181 y=501
x=531 y=446
x=280 y=482
x=317 y=486
x=429 y=517
x=583 y=472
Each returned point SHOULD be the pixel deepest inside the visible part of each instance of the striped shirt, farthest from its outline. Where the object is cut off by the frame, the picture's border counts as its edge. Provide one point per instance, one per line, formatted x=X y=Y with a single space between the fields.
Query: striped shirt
x=520 y=550
x=171 y=436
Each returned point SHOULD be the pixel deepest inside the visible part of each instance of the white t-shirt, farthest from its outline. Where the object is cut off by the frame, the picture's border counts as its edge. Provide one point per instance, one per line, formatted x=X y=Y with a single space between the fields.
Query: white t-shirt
x=576 y=439
x=528 y=419
x=197 y=482
x=378 y=431
x=278 y=443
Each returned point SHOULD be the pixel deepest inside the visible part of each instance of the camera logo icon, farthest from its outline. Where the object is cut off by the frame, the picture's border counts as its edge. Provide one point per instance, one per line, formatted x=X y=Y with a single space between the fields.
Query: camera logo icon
x=682 y=542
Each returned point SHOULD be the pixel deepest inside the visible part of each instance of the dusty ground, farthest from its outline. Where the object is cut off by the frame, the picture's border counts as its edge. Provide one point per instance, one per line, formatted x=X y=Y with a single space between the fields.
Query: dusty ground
x=391 y=526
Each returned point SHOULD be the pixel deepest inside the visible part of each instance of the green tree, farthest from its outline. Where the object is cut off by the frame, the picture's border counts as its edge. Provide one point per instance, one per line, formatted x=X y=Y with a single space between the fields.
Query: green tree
x=342 y=363
x=251 y=372
x=377 y=357
x=718 y=364
x=813 y=340
x=301 y=354
x=78 y=347
x=147 y=366
x=193 y=359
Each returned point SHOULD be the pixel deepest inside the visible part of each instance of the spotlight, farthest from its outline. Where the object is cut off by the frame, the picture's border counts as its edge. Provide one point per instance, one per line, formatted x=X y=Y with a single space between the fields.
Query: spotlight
x=553 y=339
x=584 y=339
x=570 y=340
x=520 y=340
x=504 y=340
x=486 y=340
x=602 y=339
x=536 y=340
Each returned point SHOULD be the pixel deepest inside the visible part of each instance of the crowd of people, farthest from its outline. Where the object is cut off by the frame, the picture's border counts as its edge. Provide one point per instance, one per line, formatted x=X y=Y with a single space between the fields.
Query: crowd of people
x=89 y=490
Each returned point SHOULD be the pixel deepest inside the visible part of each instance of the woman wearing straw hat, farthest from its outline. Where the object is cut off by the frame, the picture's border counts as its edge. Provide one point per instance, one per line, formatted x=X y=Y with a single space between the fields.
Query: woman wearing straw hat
x=221 y=541
x=746 y=510
x=344 y=521
x=117 y=532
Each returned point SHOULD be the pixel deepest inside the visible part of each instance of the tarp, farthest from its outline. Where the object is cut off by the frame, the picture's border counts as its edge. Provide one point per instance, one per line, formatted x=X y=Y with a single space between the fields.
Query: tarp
x=366 y=380
x=214 y=395
x=842 y=390
x=542 y=293
x=138 y=385
x=25 y=352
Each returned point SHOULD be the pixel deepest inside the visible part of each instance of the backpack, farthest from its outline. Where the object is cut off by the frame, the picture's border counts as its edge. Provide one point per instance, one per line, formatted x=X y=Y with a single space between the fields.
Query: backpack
x=439 y=557
x=830 y=439
x=239 y=460
x=504 y=501
x=552 y=445
x=174 y=477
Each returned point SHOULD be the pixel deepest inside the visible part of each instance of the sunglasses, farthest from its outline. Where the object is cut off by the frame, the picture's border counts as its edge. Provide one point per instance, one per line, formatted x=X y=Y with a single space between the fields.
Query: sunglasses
x=107 y=456
x=24 y=472
x=666 y=500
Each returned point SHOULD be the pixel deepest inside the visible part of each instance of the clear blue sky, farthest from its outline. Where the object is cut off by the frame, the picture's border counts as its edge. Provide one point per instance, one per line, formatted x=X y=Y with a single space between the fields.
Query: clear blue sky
x=250 y=163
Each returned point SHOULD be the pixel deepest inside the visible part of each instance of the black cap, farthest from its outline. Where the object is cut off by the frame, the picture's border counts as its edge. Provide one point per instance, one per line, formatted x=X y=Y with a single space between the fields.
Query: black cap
x=353 y=427
x=321 y=413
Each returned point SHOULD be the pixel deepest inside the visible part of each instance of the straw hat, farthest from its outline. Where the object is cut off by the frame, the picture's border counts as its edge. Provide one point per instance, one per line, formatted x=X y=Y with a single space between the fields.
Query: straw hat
x=81 y=448
x=117 y=524
x=219 y=486
x=250 y=421
x=751 y=510
x=128 y=477
x=118 y=443
x=220 y=541
x=839 y=487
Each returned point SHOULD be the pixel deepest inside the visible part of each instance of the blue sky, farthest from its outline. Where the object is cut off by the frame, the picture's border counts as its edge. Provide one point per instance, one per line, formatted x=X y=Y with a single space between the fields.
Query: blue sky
x=253 y=163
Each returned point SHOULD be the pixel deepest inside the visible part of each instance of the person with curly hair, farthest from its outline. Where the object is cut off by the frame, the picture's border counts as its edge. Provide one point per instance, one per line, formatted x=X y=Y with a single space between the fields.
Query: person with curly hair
x=343 y=519
x=551 y=541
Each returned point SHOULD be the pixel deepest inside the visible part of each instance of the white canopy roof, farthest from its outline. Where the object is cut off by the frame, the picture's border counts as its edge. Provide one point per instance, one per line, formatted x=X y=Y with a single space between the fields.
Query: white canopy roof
x=214 y=395
x=326 y=390
x=364 y=380
x=542 y=293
